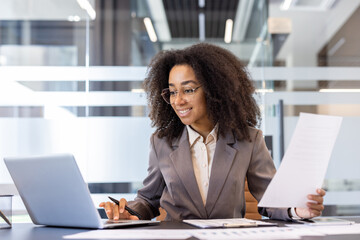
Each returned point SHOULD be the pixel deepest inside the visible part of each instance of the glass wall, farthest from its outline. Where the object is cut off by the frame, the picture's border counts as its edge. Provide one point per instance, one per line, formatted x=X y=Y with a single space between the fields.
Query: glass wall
x=72 y=72
x=316 y=59
x=71 y=77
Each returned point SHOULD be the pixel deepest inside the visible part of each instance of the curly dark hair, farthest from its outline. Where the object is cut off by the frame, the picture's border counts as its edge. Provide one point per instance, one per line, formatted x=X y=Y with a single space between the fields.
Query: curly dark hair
x=225 y=81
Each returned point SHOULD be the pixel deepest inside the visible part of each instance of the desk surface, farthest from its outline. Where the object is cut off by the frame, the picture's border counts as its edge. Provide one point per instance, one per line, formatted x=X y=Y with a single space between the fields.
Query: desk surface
x=29 y=231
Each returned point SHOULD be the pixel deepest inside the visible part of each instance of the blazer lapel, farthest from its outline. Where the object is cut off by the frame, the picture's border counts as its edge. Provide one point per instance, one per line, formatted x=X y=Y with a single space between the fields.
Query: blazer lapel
x=181 y=158
x=223 y=158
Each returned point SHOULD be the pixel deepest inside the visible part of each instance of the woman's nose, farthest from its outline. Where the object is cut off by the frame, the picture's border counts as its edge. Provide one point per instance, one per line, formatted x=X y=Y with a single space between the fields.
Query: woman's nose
x=179 y=99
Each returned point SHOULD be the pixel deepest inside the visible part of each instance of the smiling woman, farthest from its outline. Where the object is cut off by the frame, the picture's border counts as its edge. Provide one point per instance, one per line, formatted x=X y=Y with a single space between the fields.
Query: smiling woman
x=227 y=89
x=190 y=107
x=205 y=144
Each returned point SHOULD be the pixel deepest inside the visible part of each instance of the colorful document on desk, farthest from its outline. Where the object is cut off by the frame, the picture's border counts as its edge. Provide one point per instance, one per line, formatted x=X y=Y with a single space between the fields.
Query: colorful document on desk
x=304 y=165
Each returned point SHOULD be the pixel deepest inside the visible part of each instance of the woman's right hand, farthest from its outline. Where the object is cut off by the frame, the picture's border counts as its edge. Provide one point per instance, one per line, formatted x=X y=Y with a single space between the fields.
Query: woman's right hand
x=116 y=212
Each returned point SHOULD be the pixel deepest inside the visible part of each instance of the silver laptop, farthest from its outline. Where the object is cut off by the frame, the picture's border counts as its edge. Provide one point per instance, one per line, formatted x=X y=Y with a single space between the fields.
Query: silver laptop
x=55 y=193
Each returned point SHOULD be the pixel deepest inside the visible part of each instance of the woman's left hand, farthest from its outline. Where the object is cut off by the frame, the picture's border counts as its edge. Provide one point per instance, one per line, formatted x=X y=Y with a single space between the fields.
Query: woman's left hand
x=315 y=207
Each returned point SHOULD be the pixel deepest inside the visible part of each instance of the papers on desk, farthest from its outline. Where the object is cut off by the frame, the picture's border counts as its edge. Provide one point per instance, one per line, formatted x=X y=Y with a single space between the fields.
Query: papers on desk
x=227 y=223
x=210 y=234
x=304 y=165
x=253 y=233
x=291 y=232
x=131 y=234
x=337 y=230
x=330 y=230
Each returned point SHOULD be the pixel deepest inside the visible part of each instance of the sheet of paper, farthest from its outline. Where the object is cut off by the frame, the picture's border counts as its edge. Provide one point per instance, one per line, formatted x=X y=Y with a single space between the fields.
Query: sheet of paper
x=131 y=234
x=253 y=233
x=228 y=222
x=337 y=230
x=329 y=230
x=304 y=165
x=291 y=232
x=204 y=234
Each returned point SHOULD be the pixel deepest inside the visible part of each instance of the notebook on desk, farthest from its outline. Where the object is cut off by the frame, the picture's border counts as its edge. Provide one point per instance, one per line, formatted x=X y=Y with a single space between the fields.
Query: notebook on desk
x=55 y=193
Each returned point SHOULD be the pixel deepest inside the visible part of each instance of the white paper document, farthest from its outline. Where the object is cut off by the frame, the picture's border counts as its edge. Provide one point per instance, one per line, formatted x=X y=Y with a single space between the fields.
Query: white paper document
x=292 y=232
x=227 y=223
x=329 y=230
x=337 y=230
x=249 y=233
x=203 y=234
x=131 y=234
x=305 y=162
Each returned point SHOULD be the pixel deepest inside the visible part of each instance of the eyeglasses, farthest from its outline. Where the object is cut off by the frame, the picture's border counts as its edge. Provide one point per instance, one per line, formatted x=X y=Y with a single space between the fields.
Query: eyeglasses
x=169 y=96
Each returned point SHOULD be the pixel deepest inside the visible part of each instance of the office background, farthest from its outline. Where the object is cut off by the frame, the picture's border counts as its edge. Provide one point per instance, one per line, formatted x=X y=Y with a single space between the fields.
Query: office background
x=71 y=74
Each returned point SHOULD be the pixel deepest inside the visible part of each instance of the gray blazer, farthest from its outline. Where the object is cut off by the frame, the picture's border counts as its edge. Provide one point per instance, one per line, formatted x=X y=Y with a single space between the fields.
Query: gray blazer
x=171 y=182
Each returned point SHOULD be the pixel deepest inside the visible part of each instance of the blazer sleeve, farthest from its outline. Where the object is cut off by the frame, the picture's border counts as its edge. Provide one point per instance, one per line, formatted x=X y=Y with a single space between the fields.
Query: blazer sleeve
x=147 y=202
x=260 y=172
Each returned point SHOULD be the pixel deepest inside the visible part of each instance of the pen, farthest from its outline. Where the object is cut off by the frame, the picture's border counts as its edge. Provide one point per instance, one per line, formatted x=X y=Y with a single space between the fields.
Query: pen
x=5 y=218
x=240 y=224
x=132 y=212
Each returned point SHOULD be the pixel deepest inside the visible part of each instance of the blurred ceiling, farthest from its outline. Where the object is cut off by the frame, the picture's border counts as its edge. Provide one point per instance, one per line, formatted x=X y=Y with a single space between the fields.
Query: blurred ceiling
x=183 y=17
x=178 y=22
